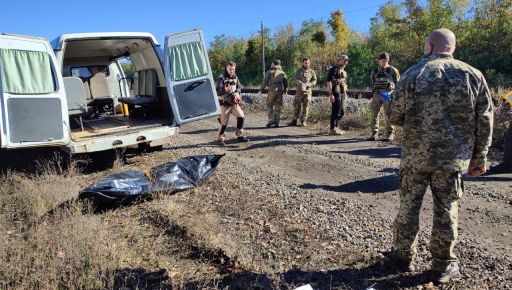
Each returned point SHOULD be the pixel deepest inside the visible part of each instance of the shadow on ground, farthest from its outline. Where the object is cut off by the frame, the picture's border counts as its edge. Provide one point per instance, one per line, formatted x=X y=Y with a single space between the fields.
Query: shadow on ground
x=139 y=278
x=380 y=184
x=382 y=152
x=259 y=142
x=495 y=177
x=200 y=131
x=372 y=276
x=43 y=160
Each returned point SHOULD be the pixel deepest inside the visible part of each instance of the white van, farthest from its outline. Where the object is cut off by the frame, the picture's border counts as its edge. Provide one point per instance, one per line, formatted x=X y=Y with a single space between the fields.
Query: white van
x=75 y=93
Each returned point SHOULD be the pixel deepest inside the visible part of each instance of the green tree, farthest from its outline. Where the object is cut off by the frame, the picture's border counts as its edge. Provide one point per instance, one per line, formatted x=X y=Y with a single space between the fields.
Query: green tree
x=362 y=61
x=483 y=29
x=339 y=30
x=128 y=69
x=320 y=37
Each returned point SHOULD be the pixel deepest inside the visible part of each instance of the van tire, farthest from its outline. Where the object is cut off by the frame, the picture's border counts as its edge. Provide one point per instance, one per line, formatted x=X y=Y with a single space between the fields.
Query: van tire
x=106 y=159
x=146 y=148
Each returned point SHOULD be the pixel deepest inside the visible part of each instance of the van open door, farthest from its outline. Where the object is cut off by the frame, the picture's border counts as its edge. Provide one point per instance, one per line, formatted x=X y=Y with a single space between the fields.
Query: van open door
x=189 y=77
x=33 y=108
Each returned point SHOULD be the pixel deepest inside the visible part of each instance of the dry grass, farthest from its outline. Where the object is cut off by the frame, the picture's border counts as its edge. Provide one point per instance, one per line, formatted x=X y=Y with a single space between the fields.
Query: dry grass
x=49 y=242
x=52 y=241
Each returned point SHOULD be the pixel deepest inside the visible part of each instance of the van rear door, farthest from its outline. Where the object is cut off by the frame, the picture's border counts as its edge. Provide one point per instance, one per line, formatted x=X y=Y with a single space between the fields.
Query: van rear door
x=33 y=107
x=189 y=77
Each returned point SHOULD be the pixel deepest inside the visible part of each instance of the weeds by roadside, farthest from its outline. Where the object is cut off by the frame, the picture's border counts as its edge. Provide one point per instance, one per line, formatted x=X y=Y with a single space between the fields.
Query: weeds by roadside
x=67 y=249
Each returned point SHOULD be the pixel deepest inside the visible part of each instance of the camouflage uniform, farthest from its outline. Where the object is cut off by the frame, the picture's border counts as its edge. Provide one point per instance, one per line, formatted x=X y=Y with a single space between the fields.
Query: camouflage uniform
x=383 y=80
x=445 y=108
x=306 y=79
x=277 y=84
x=338 y=77
x=226 y=108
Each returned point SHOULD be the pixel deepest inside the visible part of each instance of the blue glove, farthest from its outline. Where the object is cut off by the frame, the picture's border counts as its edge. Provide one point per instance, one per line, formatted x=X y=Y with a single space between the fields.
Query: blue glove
x=386 y=96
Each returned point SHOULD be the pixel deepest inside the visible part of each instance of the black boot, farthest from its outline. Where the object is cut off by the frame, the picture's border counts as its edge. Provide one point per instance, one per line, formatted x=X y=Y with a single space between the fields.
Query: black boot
x=392 y=263
x=269 y=124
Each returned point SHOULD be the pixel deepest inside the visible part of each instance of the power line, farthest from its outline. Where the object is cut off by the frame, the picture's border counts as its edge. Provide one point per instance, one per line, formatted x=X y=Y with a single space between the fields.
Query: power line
x=308 y=10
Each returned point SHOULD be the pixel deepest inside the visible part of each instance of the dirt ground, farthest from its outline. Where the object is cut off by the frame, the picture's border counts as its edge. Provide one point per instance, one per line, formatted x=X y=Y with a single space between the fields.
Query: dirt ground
x=291 y=207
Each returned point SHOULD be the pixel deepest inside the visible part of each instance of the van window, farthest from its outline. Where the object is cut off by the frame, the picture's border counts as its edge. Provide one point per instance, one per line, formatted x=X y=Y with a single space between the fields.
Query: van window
x=85 y=72
x=81 y=72
x=187 y=61
x=127 y=66
x=26 y=72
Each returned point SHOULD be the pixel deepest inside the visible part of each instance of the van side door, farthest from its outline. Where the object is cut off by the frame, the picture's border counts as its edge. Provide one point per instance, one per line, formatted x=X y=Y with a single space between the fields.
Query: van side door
x=189 y=77
x=33 y=106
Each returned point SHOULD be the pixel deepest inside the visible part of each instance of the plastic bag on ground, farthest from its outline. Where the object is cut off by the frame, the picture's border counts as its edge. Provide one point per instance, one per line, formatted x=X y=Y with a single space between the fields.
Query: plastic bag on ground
x=119 y=187
x=186 y=173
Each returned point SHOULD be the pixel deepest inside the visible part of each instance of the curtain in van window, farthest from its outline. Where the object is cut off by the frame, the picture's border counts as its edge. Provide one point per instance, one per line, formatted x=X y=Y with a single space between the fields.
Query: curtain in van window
x=187 y=61
x=26 y=72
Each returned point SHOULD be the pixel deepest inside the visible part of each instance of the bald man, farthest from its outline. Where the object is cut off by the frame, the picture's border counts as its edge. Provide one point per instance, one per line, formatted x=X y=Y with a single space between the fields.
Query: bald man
x=445 y=108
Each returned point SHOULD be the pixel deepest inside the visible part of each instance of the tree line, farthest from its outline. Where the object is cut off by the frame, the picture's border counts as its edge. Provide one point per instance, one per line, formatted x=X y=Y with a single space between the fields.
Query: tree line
x=483 y=29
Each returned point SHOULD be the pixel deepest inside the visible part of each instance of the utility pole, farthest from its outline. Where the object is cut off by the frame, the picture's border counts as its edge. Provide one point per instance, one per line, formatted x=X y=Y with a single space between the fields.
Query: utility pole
x=262 y=50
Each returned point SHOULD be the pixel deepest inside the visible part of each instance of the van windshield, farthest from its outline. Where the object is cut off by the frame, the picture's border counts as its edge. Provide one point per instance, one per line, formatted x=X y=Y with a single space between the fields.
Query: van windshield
x=187 y=61
x=26 y=72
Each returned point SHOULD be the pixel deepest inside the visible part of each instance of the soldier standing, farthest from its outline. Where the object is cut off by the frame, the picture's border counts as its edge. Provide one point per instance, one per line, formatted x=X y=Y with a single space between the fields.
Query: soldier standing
x=228 y=92
x=383 y=78
x=277 y=83
x=445 y=108
x=306 y=79
x=337 y=88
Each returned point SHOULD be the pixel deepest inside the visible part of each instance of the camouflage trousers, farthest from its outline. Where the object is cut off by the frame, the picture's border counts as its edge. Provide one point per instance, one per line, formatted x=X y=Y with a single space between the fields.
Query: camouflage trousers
x=377 y=103
x=302 y=101
x=447 y=188
x=274 y=105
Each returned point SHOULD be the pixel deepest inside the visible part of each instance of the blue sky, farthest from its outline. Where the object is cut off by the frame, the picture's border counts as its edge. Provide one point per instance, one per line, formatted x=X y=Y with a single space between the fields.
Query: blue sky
x=239 y=18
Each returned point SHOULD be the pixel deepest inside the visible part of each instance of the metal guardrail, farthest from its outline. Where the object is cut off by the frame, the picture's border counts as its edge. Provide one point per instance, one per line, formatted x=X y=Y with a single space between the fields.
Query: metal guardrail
x=357 y=94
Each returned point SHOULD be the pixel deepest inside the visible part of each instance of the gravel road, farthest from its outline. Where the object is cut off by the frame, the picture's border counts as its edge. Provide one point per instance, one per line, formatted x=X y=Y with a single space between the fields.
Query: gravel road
x=294 y=206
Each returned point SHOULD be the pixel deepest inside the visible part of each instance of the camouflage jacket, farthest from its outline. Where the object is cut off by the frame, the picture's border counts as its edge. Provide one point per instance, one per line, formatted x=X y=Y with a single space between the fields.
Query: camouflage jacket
x=445 y=108
x=276 y=80
x=384 y=79
x=306 y=77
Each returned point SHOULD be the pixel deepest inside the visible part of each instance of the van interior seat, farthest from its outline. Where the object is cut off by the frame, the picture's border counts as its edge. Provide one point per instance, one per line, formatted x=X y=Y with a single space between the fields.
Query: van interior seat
x=98 y=84
x=76 y=97
x=87 y=89
x=100 y=99
x=144 y=88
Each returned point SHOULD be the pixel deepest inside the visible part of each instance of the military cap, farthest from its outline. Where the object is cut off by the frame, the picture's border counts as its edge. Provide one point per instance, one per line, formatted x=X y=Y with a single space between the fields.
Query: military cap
x=343 y=57
x=384 y=55
x=277 y=62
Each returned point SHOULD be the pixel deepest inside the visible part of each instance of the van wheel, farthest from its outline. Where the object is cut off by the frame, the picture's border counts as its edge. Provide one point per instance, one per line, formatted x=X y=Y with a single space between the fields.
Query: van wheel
x=146 y=148
x=103 y=160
